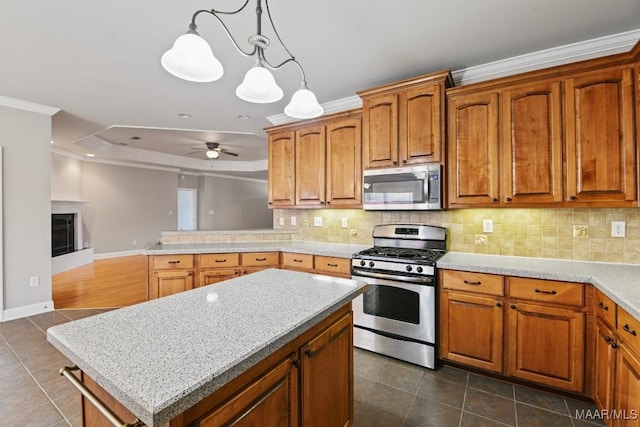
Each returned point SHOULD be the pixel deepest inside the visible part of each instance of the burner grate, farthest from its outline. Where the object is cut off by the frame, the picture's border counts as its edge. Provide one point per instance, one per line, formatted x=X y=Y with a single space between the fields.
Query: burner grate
x=403 y=253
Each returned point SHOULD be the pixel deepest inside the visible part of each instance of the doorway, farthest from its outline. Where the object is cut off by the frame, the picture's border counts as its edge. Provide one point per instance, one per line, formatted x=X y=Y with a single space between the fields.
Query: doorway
x=187 y=209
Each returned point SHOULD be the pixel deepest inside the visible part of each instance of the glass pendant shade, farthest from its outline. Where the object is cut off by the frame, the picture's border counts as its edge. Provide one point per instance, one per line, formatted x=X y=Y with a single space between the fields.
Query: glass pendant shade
x=259 y=86
x=303 y=105
x=191 y=59
x=212 y=154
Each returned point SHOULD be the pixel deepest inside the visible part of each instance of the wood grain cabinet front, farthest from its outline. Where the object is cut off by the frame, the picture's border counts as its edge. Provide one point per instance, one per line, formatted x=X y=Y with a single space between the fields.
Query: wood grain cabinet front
x=297 y=261
x=170 y=274
x=333 y=266
x=282 y=181
x=256 y=261
x=214 y=268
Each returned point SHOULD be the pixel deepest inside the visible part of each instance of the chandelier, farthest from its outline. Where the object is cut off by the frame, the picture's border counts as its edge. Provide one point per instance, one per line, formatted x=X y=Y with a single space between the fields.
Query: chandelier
x=192 y=59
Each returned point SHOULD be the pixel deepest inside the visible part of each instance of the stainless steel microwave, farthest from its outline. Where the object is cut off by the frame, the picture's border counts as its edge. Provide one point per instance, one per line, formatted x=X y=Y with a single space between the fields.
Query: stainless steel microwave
x=405 y=188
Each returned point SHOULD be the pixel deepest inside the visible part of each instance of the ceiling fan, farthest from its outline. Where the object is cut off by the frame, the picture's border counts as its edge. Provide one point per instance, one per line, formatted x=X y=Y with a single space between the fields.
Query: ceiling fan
x=213 y=150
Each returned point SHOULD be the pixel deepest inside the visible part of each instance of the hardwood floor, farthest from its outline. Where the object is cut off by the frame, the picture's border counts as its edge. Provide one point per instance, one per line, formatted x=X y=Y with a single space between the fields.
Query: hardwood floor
x=106 y=283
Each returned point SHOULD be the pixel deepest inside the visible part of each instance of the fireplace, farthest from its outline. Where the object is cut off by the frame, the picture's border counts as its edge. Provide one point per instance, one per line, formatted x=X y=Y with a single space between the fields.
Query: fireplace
x=62 y=234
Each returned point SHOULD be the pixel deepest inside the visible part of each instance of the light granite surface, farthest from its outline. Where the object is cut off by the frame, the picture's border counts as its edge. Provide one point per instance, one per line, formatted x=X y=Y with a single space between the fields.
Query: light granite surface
x=339 y=250
x=160 y=357
x=620 y=282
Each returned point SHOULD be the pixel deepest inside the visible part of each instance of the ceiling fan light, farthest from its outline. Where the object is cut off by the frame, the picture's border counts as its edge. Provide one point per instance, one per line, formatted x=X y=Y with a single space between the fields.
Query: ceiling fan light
x=303 y=105
x=259 y=86
x=192 y=59
x=212 y=154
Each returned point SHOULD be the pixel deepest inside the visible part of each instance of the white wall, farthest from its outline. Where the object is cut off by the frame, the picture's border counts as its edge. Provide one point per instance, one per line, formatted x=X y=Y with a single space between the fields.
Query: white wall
x=26 y=138
x=66 y=178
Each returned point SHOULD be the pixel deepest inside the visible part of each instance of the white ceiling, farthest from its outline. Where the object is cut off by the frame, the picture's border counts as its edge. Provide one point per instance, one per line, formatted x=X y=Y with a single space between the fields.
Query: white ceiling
x=100 y=64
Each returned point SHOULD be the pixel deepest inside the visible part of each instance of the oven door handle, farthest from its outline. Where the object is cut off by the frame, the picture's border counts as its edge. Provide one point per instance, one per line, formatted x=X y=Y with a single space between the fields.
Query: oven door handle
x=419 y=280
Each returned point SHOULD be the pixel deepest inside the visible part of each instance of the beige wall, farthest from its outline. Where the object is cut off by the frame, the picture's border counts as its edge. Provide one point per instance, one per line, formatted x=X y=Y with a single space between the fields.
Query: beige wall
x=26 y=178
x=547 y=233
x=66 y=178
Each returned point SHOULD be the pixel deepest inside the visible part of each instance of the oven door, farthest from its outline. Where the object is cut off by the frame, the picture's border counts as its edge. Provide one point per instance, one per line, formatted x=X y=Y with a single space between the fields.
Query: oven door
x=404 y=310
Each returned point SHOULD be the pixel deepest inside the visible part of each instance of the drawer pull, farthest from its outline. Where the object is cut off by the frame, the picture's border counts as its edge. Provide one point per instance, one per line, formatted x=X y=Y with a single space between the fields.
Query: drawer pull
x=540 y=291
x=297 y=260
x=173 y=262
x=221 y=260
x=261 y=259
x=602 y=306
x=297 y=363
x=498 y=304
x=309 y=353
x=478 y=283
x=608 y=339
x=332 y=265
x=513 y=306
x=614 y=345
x=626 y=328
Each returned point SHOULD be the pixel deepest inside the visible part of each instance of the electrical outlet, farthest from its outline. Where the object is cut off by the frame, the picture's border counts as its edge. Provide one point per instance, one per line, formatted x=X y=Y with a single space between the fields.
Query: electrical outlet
x=317 y=221
x=618 y=228
x=170 y=212
x=135 y=242
x=293 y=220
x=281 y=221
x=345 y=223
x=34 y=281
x=481 y=240
x=487 y=226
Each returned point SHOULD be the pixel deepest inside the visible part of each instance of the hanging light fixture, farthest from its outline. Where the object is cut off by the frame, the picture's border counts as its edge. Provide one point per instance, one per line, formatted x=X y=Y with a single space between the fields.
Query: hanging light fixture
x=192 y=59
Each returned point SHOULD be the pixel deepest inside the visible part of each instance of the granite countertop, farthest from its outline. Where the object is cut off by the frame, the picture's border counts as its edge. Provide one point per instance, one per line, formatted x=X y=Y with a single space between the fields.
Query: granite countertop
x=160 y=357
x=339 y=250
x=620 y=282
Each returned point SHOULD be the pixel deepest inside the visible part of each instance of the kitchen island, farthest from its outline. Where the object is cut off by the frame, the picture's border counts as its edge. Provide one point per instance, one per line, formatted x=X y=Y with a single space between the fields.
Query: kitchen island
x=259 y=345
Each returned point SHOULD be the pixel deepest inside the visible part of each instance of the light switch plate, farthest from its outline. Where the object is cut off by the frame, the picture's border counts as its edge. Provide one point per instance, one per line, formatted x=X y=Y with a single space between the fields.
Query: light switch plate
x=294 y=221
x=281 y=221
x=618 y=228
x=345 y=223
x=487 y=226
x=317 y=221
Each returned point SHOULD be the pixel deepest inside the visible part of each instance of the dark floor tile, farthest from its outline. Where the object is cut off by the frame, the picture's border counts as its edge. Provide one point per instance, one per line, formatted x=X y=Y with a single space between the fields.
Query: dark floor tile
x=451 y=374
x=13 y=326
x=80 y=313
x=361 y=387
x=69 y=404
x=29 y=397
x=57 y=388
x=11 y=370
x=531 y=416
x=585 y=411
x=473 y=420
x=367 y=364
x=26 y=346
x=43 y=355
x=541 y=399
x=367 y=416
x=47 y=373
x=40 y=416
x=75 y=421
x=491 y=385
x=401 y=375
x=16 y=384
x=7 y=358
x=390 y=400
x=490 y=406
x=440 y=390
x=51 y=318
x=426 y=413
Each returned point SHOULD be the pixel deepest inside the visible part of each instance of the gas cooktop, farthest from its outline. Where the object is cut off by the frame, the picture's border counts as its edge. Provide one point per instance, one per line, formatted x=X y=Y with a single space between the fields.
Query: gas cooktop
x=400 y=254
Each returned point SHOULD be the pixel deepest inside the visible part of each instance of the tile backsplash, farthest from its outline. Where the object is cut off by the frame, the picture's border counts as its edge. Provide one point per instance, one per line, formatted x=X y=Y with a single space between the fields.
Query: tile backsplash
x=578 y=234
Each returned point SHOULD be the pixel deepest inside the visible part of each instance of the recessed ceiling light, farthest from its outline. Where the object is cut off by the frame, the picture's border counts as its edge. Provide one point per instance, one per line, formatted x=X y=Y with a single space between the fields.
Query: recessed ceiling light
x=90 y=155
x=52 y=141
x=184 y=115
x=244 y=116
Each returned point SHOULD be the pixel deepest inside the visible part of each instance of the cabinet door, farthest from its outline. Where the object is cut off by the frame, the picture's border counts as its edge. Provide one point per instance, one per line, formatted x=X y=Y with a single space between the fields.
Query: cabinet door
x=421 y=123
x=270 y=401
x=473 y=150
x=380 y=131
x=546 y=345
x=626 y=394
x=209 y=277
x=344 y=163
x=281 y=169
x=310 y=166
x=170 y=282
x=471 y=330
x=327 y=377
x=604 y=366
x=600 y=137
x=531 y=144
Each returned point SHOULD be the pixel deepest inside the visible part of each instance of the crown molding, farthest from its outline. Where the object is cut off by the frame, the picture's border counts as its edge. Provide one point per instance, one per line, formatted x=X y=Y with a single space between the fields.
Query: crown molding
x=330 y=107
x=19 y=104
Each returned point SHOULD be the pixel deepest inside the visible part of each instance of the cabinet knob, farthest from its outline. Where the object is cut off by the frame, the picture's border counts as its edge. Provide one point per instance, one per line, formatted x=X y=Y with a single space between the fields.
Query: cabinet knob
x=508 y=199
x=297 y=363
x=394 y=162
x=608 y=339
x=498 y=304
x=309 y=353
x=494 y=200
x=513 y=306
x=614 y=345
x=404 y=162
x=328 y=202
x=573 y=198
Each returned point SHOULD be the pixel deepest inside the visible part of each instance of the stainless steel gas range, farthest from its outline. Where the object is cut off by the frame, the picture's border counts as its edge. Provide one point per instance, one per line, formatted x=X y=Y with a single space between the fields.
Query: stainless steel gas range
x=396 y=315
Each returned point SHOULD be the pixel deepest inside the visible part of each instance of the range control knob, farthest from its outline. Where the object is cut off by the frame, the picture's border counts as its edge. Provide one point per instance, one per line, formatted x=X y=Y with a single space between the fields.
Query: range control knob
x=371 y=264
x=409 y=268
x=419 y=269
x=363 y=263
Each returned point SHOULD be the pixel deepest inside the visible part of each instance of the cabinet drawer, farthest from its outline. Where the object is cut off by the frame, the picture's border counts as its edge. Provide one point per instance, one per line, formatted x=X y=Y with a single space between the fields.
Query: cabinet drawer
x=164 y=262
x=297 y=261
x=546 y=291
x=219 y=260
x=629 y=329
x=605 y=308
x=334 y=266
x=473 y=282
x=255 y=259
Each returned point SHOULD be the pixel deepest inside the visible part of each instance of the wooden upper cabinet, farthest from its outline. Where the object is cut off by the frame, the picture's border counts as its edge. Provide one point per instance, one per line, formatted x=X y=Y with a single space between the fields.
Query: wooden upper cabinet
x=380 y=131
x=600 y=146
x=310 y=166
x=403 y=122
x=531 y=144
x=281 y=169
x=473 y=150
x=344 y=163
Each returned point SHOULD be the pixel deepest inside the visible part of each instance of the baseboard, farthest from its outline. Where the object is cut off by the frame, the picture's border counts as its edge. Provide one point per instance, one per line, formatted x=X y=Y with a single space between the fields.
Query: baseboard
x=118 y=254
x=27 y=310
x=62 y=263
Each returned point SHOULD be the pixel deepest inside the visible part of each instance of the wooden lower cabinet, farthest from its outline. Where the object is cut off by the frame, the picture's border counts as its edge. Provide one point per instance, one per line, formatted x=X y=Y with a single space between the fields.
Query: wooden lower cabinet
x=546 y=345
x=605 y=357
x=209 y=277
x=256 y=261
x=297 y=262
x=169 y=282
x=472 y=330
x=626 y=388
x=339 y=267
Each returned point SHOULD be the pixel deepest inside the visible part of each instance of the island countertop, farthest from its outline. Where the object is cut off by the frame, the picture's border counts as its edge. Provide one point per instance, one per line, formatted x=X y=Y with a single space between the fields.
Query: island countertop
x=161 y=357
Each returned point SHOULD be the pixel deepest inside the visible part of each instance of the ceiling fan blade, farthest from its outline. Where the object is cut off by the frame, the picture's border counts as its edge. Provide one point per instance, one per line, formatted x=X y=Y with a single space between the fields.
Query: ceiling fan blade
x=197 y=152
x=223 y=151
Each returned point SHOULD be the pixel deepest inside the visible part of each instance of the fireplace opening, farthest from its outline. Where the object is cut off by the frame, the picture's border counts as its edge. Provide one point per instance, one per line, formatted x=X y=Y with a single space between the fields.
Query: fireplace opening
x=62 y=234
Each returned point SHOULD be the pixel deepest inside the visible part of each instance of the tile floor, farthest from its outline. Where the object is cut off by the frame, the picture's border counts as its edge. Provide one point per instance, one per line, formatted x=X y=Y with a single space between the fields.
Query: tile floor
x=388 y=393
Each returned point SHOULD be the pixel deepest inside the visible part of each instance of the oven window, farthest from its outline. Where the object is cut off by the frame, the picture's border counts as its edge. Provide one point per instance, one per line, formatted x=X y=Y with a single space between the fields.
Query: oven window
x=393 y=303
